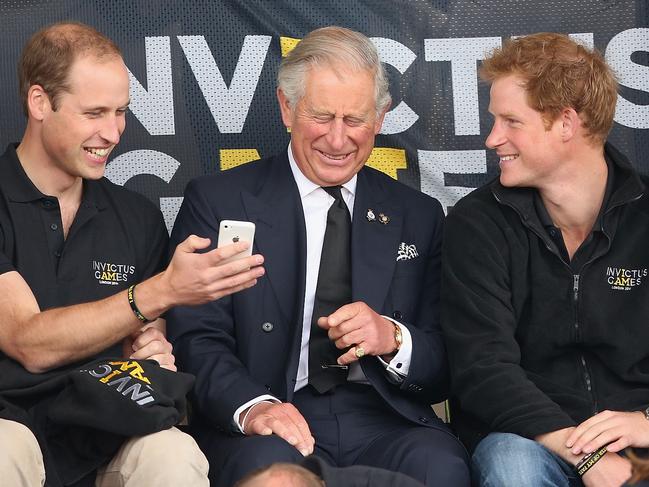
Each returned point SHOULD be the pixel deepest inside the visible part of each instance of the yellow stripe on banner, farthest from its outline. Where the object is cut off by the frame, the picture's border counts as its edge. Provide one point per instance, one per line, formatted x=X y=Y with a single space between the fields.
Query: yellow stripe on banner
x=235 y=157
x=287 y=44
x=388 y=160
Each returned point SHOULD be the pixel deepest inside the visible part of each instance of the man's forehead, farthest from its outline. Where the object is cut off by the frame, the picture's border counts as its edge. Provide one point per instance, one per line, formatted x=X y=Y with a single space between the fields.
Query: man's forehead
x=508 y=94
x=326 y=88
x=96 y=82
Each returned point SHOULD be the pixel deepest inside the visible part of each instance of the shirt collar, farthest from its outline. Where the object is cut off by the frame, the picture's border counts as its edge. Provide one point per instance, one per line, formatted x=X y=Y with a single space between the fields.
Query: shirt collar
x=21 y=189
x=305 y=186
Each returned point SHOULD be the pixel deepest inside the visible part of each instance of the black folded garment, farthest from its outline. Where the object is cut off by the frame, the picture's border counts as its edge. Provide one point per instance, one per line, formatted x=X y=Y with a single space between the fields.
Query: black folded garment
x=82 y=414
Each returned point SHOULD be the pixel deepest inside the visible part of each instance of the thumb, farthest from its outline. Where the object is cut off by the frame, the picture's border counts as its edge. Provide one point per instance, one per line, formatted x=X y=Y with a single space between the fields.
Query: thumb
x=192 y=244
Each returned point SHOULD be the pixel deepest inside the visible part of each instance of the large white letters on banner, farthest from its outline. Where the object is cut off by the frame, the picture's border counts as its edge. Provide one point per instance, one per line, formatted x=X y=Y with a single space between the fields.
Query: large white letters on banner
x=630 y=74
x=154 y=108
x=433 y=165
x=463 y=55
x=229 y=105
x=401 y=117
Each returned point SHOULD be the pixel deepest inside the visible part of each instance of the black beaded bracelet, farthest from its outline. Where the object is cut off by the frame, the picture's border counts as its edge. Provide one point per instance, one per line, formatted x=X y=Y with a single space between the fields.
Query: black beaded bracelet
x=131 y=300
x=589 y=460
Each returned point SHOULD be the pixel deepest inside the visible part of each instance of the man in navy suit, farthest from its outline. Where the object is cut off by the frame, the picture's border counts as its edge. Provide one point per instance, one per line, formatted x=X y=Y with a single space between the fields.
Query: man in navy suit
x=265 y=391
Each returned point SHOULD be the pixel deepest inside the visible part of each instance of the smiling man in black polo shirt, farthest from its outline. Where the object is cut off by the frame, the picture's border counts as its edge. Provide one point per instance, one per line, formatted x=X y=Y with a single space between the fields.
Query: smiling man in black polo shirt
x=73 y=246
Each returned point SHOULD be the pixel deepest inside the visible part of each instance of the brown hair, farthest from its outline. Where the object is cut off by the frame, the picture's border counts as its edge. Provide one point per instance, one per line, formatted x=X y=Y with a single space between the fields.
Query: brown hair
x=48 y=55
x=559 y=73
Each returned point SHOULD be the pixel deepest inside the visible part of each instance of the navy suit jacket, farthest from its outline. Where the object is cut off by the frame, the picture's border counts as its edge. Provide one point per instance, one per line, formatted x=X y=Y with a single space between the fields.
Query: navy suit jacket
x=248 y=344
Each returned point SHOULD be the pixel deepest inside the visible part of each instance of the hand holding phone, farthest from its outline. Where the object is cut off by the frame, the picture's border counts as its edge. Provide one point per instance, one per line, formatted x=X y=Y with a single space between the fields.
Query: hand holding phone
x=232 y=231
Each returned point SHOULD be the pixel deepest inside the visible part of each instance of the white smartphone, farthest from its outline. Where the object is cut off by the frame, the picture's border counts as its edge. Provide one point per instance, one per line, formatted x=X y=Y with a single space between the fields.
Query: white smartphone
x=232 y=231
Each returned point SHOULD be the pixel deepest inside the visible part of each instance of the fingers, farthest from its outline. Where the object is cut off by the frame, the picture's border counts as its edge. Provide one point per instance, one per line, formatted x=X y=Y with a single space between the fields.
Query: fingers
x=194 y=278
x=352 y=355
x=235 y=267
x=151 y=344
x=343 y=315
x=219 y=286
x=357 y=324
x=220 y=254
x=166 y=361
x=352 y=338
x=283 y=420
x=613 y=428
x=143 y=337
x=615 y=446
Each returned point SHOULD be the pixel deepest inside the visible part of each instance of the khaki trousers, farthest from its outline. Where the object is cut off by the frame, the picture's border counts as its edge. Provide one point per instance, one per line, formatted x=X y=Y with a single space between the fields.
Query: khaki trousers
x=167 y=458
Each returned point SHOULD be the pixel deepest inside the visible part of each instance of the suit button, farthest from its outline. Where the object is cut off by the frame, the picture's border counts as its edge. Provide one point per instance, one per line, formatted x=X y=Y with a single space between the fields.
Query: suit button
x=267 y=387
x=423 y=420
x=397 y=315
x=267 y=327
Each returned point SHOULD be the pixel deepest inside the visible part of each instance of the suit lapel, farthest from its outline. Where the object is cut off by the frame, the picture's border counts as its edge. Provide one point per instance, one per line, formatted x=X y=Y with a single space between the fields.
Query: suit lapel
x=374 y=245
x=281 y=236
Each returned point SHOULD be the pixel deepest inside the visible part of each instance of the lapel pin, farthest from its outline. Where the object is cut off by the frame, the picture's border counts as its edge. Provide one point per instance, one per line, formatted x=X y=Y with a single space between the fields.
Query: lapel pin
x=370 y=215
x=384 y=219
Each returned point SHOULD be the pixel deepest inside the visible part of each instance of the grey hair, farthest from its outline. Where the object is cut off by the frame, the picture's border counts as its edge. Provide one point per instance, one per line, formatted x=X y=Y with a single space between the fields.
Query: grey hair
x=332 y=47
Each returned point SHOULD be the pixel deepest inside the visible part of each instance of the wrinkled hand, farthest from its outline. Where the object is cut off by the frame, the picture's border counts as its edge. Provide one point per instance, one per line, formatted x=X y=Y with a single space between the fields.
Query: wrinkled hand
x=197 y=278
x=357 y=325
x=610 y=471
x=283 y=420
x=616 y=429
x=150 y=344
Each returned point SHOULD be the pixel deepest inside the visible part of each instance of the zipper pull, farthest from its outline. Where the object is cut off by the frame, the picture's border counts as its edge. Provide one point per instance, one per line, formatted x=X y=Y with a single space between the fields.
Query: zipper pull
x=575 y=285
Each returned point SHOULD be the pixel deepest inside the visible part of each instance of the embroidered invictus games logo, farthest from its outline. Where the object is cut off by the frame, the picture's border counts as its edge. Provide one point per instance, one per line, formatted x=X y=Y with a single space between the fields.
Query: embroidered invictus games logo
x=623 y=279
x=111 y=274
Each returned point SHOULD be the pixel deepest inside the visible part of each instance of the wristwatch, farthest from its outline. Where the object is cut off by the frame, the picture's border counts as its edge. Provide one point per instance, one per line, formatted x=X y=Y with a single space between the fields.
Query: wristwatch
x=399 y=339
x=646 y=414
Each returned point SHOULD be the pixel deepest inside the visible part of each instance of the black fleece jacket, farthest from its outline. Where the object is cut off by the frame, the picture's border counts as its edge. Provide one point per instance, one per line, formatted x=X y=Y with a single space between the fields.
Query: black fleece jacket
x=535 y=345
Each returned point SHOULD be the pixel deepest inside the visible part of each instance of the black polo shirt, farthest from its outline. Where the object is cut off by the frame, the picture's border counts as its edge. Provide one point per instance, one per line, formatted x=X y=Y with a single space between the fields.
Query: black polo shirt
x=117 y=238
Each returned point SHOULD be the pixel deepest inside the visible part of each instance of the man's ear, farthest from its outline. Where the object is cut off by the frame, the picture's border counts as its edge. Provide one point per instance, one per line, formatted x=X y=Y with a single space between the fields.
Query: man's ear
x=571 y=124
x=38 y=102
x=379 y=120
x=285 y=109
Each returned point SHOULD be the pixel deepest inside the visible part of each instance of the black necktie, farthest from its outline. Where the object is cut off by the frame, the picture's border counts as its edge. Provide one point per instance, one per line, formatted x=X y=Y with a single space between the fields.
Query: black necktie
x=334 y=289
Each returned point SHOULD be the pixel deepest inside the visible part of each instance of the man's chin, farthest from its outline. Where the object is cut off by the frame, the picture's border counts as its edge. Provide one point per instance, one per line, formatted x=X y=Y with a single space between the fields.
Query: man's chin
x=94 y=174
x=508 y=182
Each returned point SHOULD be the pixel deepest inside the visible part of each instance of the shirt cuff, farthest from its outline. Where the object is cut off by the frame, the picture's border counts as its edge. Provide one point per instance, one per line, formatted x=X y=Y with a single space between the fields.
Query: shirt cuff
x=252 y=402
x=399 y=366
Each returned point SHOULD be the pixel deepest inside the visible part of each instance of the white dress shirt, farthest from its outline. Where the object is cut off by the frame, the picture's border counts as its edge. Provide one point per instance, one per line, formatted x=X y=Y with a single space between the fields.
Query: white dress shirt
x=315 y=204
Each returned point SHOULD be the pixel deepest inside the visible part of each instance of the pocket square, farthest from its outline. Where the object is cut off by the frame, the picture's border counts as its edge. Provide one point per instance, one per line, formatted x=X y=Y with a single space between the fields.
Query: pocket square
x=406 y=252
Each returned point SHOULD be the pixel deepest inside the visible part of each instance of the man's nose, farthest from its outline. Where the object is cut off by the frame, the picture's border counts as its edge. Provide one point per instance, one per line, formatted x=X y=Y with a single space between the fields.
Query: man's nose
x=112 y=128
x=496 y=137
x=337 y=133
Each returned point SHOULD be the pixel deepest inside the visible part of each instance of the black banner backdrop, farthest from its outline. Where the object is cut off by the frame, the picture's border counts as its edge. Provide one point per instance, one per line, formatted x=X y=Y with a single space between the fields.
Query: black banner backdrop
x=203 y=79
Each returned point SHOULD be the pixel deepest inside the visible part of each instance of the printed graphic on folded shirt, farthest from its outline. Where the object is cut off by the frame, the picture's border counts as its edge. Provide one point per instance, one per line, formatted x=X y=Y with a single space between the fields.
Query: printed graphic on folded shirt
x=128 y=397
x=127 y=377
